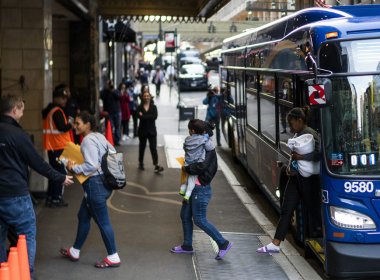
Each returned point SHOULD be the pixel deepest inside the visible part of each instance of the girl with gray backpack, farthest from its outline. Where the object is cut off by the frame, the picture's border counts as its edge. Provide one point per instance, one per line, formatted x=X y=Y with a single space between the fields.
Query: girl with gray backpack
x=94 y=204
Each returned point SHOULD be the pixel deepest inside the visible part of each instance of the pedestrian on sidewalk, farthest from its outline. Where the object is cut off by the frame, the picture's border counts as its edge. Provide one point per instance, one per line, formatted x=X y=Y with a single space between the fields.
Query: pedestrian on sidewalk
x=214 y=102
x=194 y=211
x=124 y=107
x=96 y=193
x=17 y=153
x=56 y=132
x=133 y=104
x=158 y=79
x=147 y=113
x=111 y=105
x=299 y=187
x=195 y=147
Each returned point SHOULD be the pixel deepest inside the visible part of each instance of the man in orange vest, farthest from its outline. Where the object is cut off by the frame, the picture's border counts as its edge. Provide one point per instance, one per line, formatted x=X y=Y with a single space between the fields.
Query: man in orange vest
x=56 y=132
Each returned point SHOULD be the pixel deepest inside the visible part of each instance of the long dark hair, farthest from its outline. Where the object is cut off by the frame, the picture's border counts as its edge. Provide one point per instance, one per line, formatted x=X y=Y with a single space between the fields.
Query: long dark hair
x=86 y=117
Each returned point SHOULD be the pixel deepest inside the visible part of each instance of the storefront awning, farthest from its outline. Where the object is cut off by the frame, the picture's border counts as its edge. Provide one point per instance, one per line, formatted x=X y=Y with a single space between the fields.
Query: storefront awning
x=160 y=10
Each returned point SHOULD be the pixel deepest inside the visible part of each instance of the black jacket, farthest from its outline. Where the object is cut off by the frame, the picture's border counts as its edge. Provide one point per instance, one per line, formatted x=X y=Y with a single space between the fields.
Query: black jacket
x=111 y=100
x=16 y=154
x=147 y=124
x=205 y=170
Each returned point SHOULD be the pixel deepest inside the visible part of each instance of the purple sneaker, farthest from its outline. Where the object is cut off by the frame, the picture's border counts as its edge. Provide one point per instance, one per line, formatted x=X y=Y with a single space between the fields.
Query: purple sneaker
x=222 y=253
x=180 y=250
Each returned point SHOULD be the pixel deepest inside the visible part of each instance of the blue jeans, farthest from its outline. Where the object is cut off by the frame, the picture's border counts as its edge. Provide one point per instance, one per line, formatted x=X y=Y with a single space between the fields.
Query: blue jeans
x=195 y=211
x=94 y=205
x=18 y=212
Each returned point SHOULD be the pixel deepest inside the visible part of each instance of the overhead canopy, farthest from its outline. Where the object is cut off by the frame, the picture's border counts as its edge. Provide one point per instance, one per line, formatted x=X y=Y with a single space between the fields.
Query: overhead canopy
x=173 y=10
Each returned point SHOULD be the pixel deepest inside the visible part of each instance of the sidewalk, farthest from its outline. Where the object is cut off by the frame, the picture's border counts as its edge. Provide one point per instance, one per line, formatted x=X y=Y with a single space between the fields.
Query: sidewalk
x=145 y=217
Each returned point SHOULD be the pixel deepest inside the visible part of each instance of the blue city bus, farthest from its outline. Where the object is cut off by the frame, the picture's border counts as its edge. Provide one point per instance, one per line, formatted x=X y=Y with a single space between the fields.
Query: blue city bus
x=328 y=59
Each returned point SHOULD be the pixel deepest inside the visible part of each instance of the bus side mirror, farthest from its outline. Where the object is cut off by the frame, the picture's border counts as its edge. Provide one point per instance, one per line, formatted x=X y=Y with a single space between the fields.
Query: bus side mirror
x=318 y=91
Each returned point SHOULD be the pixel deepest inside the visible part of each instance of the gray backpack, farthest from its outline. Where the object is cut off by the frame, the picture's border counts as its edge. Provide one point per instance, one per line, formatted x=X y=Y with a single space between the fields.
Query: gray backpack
x=112 y=165
x=113 y=169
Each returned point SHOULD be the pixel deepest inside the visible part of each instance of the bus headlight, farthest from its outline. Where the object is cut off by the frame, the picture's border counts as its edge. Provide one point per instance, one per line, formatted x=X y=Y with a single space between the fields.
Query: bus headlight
x=346 y=218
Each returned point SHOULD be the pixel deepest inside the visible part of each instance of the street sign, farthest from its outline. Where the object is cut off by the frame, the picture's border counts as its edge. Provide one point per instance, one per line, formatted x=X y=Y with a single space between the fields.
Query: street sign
x=169 y=38
x=317 y=94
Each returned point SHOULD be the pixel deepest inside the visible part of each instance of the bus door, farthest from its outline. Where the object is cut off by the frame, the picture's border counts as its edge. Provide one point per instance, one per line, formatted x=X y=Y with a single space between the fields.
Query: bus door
x=252 y=121
x=241 y=108
x=266 y=145
x=313 y=239
x=233 y=119
x=285 y=101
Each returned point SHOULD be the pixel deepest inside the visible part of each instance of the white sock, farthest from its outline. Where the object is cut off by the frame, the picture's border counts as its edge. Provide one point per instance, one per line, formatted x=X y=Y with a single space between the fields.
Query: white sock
x=114 y=258
x=272 y=246
x=74 y=252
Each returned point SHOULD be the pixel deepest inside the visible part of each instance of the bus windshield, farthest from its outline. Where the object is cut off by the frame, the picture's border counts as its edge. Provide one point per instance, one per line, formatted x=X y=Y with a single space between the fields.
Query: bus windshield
x=351 y=126
x=351 y=122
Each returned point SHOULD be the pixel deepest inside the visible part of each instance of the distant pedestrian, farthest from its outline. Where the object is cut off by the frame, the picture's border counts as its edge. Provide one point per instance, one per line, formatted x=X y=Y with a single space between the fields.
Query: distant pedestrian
x=94 y=202
x=170 y=74
x=195 y=210
x=142 y=76
x=147 y=131
x=56 y=132
x=195 y=147
x=111 y=105
x=158 y=79
x=214 y=102
x=133 y=104
x=17 y=153
x=125 y=99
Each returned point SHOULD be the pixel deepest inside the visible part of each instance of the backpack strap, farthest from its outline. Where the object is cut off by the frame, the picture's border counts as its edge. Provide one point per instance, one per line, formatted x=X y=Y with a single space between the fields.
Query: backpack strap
x=101 y=156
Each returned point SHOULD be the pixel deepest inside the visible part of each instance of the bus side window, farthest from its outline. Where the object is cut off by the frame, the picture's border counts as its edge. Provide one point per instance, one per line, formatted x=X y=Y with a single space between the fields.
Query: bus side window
x=267 y=106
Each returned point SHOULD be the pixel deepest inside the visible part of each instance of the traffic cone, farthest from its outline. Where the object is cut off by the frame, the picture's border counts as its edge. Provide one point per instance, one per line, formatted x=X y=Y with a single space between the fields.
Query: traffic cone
x=14 y=267
x=108 y=135
x=4 y=271
x=23 y=257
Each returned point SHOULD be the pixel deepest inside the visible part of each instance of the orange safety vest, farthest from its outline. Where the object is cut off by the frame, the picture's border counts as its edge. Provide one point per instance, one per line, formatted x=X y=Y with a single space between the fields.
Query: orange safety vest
x=53 y=138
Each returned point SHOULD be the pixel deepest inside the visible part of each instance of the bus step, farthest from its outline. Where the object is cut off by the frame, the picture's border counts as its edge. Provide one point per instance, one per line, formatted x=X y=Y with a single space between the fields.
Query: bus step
x=316 y=246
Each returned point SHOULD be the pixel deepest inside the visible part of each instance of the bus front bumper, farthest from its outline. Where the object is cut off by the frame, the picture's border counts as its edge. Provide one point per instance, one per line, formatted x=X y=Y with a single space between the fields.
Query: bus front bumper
x=352 y=260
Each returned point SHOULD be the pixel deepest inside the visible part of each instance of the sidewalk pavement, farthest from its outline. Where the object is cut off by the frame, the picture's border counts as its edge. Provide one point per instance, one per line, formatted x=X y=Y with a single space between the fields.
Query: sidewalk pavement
x=145 y=217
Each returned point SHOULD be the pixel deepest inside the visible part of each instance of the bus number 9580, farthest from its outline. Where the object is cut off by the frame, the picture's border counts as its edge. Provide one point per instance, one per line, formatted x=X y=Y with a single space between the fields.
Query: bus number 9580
x=362 y=187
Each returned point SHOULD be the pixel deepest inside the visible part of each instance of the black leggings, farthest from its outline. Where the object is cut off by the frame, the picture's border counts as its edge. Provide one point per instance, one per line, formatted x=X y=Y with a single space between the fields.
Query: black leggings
x=125 y=126
x=308 y=190
x=152 y=146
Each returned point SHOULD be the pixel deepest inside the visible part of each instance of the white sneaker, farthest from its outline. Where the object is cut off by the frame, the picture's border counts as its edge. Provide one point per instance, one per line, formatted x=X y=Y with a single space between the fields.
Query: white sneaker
x=125 y=137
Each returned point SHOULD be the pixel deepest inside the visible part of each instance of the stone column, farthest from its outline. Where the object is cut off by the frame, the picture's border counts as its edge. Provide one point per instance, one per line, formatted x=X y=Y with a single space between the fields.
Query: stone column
x=25 y=53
